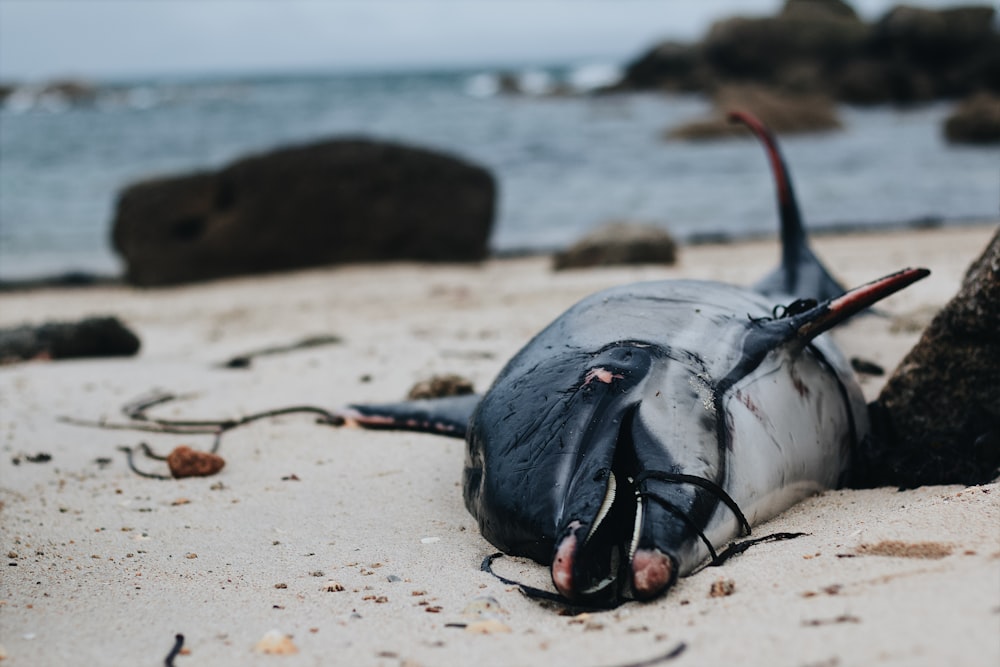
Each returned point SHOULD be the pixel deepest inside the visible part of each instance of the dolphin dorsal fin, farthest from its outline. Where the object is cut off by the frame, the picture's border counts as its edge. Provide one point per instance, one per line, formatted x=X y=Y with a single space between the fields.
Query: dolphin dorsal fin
x=801 y=274
x=806 y=325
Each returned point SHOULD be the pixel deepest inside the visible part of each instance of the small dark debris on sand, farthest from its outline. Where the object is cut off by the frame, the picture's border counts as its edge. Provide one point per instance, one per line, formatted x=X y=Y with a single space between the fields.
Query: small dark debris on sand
x=244 y=360
x=865 y=367
x=89 y=337
x=722 y=588
x=440 y=386
x=843 y=618
x=40 y=457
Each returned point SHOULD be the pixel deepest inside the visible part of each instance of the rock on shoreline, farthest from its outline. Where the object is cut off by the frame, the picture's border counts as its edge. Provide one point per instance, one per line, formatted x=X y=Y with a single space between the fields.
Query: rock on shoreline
x=331 y=202
x=907 y=56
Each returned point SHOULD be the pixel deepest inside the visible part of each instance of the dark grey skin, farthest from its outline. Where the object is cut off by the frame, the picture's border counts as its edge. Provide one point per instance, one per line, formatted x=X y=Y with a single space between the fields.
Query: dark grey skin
x=652 y=424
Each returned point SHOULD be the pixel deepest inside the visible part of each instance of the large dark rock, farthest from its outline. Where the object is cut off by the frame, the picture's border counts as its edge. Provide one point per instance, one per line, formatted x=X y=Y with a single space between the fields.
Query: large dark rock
x=938 y=417
x=975 y=121
x=934 y=38
x=670 y=66
x=944 y=53
x=822 y=46
x=870 y=81
x=349 y=200
x=805 y=36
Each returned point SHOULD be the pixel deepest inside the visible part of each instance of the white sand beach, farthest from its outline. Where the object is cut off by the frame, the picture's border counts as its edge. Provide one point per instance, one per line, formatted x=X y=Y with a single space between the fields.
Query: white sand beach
x=103 y=567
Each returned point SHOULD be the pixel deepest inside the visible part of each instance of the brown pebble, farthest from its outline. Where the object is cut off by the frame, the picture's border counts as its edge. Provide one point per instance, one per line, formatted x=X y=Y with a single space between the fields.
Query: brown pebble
x=187 y=462
x=281 y=586
x=722 y=588
x=440 y=386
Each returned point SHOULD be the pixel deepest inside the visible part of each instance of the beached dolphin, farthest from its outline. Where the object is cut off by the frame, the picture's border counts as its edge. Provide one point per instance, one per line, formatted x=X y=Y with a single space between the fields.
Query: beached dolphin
x=651 y=424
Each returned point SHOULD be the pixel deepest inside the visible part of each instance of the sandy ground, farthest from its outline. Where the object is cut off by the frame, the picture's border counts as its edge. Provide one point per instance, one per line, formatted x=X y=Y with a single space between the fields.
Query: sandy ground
x=104 y=567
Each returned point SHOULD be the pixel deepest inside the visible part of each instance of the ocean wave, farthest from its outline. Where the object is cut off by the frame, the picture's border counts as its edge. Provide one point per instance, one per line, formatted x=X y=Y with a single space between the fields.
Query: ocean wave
x=594 y=76
x=61 y=97
x=539 y=82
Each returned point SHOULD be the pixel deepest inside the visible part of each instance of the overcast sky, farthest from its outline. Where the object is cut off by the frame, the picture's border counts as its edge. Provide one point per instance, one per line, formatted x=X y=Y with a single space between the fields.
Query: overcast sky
x=43 y=39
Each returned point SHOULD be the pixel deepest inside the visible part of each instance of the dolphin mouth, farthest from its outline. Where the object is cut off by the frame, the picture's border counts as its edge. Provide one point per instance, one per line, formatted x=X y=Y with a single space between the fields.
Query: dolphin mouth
x=602 y=561
x=589 y=563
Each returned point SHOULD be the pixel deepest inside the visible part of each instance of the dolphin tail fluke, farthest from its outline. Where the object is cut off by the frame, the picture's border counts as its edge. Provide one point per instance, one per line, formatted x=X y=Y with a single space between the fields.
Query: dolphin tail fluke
x=800 y=274
x=810 y=323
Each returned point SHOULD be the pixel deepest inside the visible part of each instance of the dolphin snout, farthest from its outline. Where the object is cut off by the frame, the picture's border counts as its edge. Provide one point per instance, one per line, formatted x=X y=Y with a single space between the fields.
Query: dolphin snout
x=562 y=563
x=653 y=572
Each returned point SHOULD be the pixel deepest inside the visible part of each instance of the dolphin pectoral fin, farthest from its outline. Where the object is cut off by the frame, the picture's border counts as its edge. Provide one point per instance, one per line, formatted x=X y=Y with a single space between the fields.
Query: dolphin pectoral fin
x=447 y=416
x=813 y=322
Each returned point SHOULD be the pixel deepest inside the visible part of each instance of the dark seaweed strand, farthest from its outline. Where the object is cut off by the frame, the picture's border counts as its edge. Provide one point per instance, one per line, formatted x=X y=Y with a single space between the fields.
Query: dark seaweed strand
x=137 y=412
x=733 y=549
x=131 y=464
x=149 y=453
x=148 y=427
x=670 y=655
x=701 y=482
x=682 y=515
x=736 y=548
x=541 y=594
x=137 y=408
x=326 y=416
x=142 y=422
x=175 y=651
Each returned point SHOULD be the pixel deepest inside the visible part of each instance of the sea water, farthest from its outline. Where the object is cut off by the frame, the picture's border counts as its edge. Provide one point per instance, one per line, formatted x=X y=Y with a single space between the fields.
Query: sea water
x=563 y=163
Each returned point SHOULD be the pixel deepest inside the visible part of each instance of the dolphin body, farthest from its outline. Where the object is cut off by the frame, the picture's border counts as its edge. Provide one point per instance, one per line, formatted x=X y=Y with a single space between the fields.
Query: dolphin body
x=651 y=424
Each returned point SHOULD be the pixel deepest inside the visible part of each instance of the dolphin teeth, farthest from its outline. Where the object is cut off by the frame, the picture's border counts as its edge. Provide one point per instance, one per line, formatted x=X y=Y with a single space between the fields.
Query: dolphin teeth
x=609 y=499
x=636 y=528
x=601 y=585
